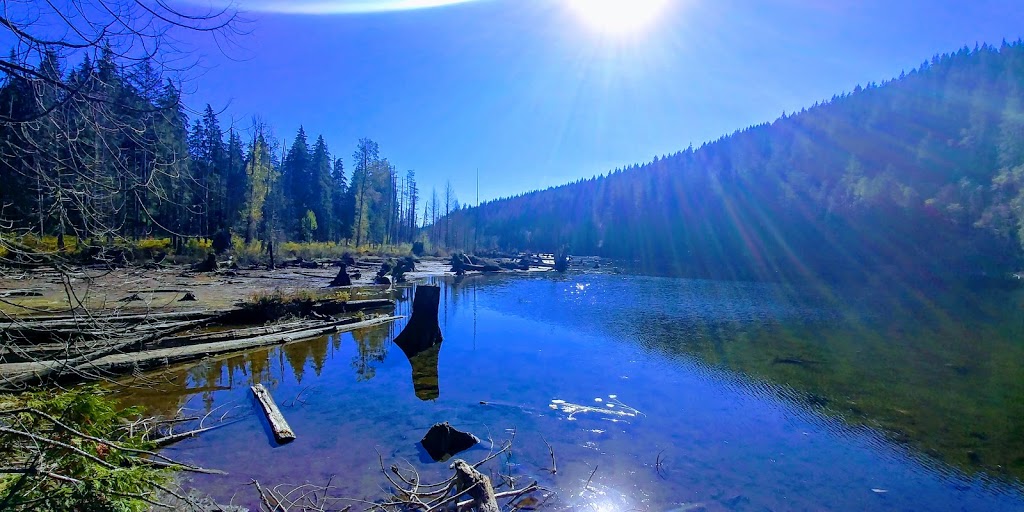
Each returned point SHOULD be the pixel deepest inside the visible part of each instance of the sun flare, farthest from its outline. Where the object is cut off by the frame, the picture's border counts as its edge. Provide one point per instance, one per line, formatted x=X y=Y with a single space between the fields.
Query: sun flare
x=618 y=16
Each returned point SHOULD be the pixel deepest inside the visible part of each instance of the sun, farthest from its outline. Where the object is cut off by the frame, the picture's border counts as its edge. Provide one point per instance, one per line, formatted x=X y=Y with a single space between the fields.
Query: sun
x=618 y=16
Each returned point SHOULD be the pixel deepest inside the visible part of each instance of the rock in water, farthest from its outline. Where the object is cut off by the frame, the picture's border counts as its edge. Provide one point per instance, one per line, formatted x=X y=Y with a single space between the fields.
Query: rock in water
x=189 y=296
x=443 y=441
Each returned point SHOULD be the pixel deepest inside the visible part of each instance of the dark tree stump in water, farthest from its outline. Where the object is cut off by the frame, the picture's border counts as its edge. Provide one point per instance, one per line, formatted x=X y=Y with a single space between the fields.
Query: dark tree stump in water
x=422 y=331
x=342 y=278
x=207 y=265
x=421 y=339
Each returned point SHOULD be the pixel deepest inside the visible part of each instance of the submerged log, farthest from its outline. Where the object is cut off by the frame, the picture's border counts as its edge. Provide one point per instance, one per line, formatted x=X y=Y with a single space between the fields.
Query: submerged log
x=282 y=431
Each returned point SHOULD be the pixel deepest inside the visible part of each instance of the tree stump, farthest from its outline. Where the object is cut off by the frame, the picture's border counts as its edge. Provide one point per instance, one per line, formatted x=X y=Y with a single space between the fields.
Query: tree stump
x=423 y=330
x=342 y=278
x=421 y=339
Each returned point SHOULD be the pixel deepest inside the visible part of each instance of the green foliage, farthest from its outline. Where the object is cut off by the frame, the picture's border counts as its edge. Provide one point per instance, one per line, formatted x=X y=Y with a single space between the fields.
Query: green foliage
x=308 y=225
x=148 y=173
x=117 y=484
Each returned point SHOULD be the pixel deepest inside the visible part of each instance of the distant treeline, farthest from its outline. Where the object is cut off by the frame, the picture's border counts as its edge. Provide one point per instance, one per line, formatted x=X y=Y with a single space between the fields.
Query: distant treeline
x=104 y=151
x=923 y=175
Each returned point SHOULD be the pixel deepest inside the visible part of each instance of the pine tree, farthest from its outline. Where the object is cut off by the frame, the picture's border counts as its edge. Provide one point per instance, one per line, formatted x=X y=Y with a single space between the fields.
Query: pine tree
x=320 y=193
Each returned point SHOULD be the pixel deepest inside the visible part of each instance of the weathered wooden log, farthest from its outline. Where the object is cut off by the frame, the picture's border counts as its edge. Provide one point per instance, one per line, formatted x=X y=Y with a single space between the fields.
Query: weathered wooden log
x=477 y=486
x=236 y=334
x=85 y=318
x=82 y=368
x=282 y=431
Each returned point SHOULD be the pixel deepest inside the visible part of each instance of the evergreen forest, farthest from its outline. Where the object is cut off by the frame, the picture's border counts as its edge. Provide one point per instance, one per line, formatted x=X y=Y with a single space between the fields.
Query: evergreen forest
x=921 y=176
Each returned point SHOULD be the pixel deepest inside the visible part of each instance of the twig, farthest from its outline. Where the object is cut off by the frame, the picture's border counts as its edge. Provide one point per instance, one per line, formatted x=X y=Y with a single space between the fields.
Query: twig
x=551 y=451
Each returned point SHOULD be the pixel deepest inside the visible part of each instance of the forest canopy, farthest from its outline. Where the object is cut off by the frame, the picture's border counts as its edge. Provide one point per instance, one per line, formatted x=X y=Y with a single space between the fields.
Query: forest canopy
x=922 y=175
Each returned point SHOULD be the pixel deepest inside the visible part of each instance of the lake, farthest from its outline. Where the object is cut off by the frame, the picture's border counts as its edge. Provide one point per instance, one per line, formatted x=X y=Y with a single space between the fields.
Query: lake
x=654 y=393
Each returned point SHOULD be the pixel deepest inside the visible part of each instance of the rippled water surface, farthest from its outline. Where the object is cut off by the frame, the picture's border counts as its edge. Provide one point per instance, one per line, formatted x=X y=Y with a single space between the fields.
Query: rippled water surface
x=674 y=394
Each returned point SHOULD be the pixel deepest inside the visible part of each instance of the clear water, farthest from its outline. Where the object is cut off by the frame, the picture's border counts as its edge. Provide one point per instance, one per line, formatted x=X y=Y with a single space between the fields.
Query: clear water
x=751 y=397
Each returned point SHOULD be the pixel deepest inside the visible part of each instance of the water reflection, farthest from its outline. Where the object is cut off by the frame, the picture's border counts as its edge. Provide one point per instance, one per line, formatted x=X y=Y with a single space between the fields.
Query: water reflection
x=756 y=397
x=940 y=371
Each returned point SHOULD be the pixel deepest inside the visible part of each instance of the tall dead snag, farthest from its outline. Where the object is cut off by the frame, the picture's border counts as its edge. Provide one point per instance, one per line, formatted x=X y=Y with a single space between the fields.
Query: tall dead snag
x=421 y=339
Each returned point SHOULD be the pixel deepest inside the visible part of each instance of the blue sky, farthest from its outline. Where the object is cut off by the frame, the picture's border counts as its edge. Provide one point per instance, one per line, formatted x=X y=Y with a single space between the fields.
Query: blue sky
x=533 y=96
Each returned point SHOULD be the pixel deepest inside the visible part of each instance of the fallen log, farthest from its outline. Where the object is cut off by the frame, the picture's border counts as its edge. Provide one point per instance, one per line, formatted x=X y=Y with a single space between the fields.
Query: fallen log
x=83 y=318
x=161 y=290
x=20 y=293
x=234 y=334
x=127 y=362
x=282 y=431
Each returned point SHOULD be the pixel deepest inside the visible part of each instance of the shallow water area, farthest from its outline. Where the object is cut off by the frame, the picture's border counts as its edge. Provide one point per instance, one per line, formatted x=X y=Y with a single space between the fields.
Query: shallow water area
x=653 y=393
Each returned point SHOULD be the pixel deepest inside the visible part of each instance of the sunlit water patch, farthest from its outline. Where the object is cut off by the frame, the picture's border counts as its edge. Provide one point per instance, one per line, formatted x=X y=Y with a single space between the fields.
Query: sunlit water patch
x=652 y=393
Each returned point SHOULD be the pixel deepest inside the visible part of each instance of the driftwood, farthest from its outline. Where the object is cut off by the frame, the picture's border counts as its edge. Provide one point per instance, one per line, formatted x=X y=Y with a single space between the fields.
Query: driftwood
x=83 y=319
x=476 y=485
x=234 y=334
x=113 y=360
x=271 y=311
x=282 y=431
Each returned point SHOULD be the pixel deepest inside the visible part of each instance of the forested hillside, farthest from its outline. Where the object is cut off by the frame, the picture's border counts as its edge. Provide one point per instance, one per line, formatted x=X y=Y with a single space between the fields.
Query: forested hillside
x=923 y=175
x=106 y=151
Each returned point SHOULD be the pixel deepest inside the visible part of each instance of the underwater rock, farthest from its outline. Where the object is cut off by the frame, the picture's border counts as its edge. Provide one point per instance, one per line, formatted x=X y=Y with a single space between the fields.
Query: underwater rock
x=443 y=441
